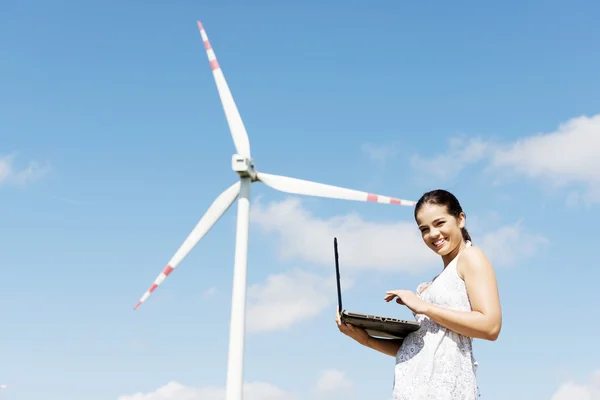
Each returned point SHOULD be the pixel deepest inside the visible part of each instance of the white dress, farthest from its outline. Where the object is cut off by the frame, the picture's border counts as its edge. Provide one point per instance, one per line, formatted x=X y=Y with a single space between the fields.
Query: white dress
x=435 y=363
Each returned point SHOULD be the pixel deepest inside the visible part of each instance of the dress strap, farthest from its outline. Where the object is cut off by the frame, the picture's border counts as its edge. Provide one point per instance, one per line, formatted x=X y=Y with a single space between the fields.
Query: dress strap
x=454 y=262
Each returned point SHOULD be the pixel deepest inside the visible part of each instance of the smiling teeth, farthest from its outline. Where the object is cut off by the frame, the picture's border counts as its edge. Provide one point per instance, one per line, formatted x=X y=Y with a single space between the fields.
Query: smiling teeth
x=438 y=242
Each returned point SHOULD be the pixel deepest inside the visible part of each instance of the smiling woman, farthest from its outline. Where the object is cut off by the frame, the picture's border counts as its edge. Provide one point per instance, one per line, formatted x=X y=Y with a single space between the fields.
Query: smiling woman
x=461 y=303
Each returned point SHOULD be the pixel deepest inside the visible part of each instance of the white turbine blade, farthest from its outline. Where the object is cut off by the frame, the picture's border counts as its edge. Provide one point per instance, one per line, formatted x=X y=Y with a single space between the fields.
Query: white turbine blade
x=299 y=186
x=208 y=220
x=234 y=120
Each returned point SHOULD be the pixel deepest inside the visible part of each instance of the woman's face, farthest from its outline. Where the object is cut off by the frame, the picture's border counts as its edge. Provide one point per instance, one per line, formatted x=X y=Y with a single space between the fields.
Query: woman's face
x=440 y=231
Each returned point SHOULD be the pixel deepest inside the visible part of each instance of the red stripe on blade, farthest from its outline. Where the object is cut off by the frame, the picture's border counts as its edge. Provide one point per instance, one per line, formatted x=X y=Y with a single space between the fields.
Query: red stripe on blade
x=214 y=65
x=372 y=197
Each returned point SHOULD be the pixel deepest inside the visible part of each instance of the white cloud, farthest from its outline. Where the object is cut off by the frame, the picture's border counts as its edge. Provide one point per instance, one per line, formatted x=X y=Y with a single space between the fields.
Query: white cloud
x=330 y=381
x=570 y=155
x=177 y=391
x=208 y=293
x=385 y=246
x=574 y=391
x=363 y=245
x=461 y=153
x=522 y=244
x=10 y=174
x=289 y=298
x=379 y=153
x=333 y=383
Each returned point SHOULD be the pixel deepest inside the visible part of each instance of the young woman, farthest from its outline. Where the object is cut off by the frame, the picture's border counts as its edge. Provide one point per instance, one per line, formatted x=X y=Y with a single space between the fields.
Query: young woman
x=436 y=362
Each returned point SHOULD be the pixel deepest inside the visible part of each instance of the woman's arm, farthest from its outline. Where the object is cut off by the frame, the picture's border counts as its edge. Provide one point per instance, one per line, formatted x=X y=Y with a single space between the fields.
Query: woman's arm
x=385 y=346
x=485 y=321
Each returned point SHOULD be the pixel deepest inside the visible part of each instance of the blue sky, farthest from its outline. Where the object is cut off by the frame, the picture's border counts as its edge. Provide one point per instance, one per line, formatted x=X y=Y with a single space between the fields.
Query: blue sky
x=114 y=143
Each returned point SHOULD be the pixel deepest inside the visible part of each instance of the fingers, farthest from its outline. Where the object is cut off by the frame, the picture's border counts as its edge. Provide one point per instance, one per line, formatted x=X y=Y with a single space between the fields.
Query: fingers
x=398 y=294
x=338 y=321
x=345 y=328
x=390 y=295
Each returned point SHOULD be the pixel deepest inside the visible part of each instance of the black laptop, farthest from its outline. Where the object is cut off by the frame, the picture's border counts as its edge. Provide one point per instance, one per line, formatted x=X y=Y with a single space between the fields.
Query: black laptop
x=375 y=325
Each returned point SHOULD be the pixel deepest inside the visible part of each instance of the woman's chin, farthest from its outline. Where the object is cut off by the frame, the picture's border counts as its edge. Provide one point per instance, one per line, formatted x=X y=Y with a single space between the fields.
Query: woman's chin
x=442 y=250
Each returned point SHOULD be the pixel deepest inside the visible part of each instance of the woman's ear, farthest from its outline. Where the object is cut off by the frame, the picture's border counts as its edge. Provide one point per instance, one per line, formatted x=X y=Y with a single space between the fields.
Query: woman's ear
x=462 y=220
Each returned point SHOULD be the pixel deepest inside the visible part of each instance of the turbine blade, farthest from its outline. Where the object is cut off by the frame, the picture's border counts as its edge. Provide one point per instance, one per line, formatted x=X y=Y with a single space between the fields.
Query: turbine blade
x=234 y=120
x=208 y=220
x=299 y=186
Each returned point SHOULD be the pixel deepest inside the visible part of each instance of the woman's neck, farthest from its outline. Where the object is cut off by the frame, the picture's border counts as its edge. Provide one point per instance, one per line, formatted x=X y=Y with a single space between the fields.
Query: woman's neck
x=447 y=259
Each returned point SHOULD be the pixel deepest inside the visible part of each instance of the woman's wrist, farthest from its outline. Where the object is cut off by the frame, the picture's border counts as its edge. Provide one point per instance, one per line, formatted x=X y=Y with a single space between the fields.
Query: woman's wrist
x=425 y=308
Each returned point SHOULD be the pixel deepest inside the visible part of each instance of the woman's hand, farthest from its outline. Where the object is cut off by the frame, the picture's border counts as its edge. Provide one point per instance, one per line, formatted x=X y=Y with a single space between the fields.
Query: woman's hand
x=407 y=298
x=356 y=333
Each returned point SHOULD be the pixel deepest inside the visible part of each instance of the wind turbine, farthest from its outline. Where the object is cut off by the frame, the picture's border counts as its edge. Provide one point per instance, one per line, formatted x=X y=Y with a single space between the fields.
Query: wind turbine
x=243 y=165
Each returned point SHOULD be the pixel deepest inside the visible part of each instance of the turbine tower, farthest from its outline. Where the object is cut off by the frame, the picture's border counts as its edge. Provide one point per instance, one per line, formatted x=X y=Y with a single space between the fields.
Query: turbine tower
x=243 y=165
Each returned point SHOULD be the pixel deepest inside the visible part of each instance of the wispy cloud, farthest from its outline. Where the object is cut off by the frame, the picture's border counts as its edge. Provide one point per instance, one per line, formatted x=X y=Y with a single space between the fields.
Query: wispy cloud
x=271 y=308
x=209 y=293
x=177 y=391
x=522 y=244
x=461 y=152
x=572 y=390
x=567 y=157
x=364 y=245
x=379 y=153
x=394 y=246
x=11 y=174
x=333 y=384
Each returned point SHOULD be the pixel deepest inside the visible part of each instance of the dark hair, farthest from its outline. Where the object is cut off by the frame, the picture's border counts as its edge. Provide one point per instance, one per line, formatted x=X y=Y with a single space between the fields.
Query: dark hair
x=442 y=197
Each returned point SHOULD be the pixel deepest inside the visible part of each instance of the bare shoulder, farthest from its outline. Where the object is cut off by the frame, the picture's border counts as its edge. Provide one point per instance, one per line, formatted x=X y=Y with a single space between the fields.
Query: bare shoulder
x=473 y=261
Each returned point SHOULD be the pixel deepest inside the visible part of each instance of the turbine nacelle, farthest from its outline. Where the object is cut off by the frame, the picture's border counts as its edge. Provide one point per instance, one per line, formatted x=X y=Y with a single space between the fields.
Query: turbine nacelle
x=243 y=166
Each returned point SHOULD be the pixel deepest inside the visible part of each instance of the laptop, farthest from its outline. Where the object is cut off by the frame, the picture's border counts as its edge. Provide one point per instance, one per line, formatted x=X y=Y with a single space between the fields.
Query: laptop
x=385 y=327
